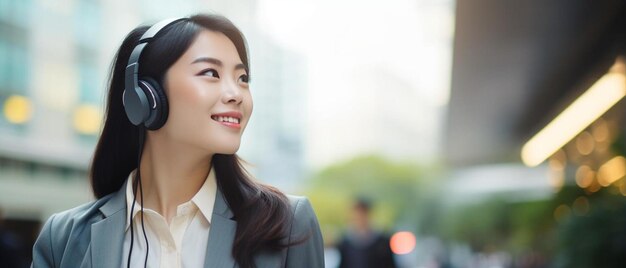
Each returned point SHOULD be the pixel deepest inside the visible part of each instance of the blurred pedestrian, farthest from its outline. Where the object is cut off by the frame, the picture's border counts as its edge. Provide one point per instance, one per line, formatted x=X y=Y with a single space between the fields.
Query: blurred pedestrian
x=170 y=190
x=362 y=246
x=11 y=248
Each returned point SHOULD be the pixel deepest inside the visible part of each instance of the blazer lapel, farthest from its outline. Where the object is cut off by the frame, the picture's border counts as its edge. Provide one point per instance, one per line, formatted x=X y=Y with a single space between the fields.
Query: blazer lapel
x=107 y=235
x=221 y=235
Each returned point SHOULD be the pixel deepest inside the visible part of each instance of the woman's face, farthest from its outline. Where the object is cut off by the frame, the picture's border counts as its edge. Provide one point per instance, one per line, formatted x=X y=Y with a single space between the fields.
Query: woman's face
x=208 y=96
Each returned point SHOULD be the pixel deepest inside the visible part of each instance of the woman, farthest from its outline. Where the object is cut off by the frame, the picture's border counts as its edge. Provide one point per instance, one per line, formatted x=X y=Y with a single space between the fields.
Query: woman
x=178 y=103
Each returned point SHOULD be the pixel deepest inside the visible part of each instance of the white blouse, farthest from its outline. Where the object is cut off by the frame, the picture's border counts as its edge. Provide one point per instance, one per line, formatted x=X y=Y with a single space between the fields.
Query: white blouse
x=183 y=243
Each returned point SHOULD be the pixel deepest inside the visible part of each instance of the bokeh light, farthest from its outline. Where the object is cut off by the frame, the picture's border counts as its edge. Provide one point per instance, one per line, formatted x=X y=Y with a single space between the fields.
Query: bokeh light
x=18 y=109
x=600 y=130
x=585 y=143
x=612 y=171
x=87 y=119
x=584 y=176
x=402 y=243
x=561 y=213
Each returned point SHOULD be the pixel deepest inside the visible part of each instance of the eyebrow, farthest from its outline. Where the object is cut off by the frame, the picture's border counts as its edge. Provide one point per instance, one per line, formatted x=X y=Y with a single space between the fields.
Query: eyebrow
x=217 y=62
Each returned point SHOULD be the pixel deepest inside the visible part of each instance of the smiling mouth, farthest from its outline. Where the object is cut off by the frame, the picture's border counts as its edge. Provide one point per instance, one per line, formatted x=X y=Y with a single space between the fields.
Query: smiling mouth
x=226 y=119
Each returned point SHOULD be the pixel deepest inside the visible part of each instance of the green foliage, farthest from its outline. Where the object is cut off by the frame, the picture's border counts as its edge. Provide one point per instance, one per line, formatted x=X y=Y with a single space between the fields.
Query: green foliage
x=484 y=225
x=499 y=224
x=393 y=187
x=596 y=238
x=591 y=237
x=532 y=226
x=404 y=195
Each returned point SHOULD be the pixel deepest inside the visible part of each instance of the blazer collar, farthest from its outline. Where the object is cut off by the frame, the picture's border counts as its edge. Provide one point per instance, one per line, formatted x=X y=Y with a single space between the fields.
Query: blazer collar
x=116 y=203
x=107 y=235
x=221 y=235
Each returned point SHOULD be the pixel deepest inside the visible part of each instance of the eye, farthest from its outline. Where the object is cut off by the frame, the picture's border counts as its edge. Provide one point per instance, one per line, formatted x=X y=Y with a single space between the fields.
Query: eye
x=243 y=79
x=210 y=72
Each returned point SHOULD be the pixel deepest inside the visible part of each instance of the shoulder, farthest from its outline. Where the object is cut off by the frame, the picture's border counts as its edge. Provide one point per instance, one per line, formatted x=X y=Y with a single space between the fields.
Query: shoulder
x=300 y=205
x=77 y=216
x=65 y=228
x=307 y=247
x=302 y=212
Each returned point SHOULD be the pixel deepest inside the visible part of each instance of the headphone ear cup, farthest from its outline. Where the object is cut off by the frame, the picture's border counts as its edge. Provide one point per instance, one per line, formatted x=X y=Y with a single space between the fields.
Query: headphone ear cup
x=159 y=108
x=136 y=109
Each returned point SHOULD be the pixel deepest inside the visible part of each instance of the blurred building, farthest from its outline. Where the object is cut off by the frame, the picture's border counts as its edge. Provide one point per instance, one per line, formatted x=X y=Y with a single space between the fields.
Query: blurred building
x=274 y=140
x=54 y=61
x=387 y=94
x=536 y=123
x=517 y=65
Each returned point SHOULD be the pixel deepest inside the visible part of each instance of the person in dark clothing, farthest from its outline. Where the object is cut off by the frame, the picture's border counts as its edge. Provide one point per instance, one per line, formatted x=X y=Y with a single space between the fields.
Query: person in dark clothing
x=362 y=246
x=11 y=248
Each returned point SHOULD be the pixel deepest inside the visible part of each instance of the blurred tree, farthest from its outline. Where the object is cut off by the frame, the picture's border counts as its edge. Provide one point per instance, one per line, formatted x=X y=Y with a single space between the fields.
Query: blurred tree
x=596 y=238
x=500 y=224
x=591 y=232
x=483 y=225
x=395 y=188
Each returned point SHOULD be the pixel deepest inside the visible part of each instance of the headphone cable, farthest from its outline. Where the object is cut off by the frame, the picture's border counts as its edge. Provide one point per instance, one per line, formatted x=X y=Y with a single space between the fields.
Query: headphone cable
x=132 y=233
x=137 y=184
x=145 y=237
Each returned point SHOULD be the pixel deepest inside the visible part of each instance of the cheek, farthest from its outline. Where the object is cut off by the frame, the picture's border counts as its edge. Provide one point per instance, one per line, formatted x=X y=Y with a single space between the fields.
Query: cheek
x=250 y=106
x=187 y=91
x=190 y=105
x=247 y=102
x=193 y=95
x=247 y=107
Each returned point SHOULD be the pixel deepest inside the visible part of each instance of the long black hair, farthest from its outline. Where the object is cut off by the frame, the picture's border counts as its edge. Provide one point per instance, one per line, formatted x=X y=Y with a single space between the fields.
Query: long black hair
x=261 y=211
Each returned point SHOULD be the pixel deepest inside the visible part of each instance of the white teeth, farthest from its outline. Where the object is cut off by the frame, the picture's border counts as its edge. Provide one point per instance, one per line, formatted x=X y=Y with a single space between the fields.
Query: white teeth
x=226 y=119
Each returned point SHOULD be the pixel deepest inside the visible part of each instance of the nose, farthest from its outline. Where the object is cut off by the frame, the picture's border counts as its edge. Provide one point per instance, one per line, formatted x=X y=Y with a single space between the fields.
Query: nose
x=232 y=93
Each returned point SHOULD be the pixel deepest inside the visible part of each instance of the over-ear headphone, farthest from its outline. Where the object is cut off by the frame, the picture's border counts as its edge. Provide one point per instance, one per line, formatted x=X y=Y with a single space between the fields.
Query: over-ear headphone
x=144 y=99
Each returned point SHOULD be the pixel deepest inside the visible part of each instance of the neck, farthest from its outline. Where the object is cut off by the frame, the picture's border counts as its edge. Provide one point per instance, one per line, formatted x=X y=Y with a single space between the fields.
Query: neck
x=171 y=175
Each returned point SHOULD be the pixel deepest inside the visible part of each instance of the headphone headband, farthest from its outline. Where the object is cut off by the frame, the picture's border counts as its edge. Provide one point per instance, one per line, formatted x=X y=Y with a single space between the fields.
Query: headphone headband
x=132 y=68
x=154 y=30
x=136 y=99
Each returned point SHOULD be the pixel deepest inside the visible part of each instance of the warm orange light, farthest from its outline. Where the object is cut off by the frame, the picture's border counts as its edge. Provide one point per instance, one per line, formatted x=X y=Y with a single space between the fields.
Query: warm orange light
x=402 y=243
x=612 y=171
x=585 y=143
x=600 y=130
x=556 y=174
x=594 y=187
x=592 y=104
x=584 y=176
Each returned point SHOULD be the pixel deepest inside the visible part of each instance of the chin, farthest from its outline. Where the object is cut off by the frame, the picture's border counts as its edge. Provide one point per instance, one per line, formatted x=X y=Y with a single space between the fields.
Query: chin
x=221 y=145
x=228 y=150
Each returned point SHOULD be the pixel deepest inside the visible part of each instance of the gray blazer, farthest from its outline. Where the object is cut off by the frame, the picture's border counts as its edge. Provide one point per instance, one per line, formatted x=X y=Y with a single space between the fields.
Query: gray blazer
x=92 y=235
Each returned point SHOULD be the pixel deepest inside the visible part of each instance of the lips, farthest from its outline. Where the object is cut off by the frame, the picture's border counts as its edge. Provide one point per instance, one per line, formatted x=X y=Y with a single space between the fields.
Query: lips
x=229 y=119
